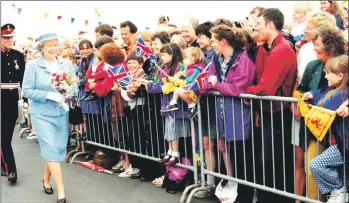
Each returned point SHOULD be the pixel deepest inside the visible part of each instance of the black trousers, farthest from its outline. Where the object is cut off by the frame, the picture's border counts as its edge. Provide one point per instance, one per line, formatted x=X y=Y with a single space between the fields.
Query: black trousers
x=144 y=139
x=9 y=114
x=241 y=154
x=278 y=150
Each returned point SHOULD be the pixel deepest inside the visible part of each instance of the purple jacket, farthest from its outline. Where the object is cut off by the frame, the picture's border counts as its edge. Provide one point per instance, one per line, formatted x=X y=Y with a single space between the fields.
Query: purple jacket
x=155 y=87
x=237 y=118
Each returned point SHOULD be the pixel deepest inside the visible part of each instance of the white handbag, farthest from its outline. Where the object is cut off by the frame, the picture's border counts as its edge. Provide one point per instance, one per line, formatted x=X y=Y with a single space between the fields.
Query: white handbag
x=228 y=193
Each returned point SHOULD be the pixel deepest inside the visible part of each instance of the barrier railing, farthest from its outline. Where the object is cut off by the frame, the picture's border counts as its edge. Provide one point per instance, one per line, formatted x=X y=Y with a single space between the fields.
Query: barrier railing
x=262 y=158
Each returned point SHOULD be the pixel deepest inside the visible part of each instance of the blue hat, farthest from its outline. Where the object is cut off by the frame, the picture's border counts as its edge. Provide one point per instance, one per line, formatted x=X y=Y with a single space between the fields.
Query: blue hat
x=47 y=36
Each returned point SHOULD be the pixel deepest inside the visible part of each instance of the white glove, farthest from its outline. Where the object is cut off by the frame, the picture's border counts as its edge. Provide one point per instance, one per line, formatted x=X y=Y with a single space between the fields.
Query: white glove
x=55 y=96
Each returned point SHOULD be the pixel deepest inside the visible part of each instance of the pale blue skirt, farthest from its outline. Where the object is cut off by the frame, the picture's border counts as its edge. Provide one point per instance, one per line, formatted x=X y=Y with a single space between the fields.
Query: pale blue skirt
x=52 y=133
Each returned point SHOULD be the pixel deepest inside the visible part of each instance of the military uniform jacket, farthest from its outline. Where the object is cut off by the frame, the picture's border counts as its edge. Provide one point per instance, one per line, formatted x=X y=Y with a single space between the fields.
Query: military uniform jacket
x=12 y=71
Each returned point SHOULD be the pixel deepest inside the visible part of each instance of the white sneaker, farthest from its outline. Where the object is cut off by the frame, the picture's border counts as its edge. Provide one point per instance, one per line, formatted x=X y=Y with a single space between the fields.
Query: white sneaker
x=338 y=196
x=31 y=136
x=129 y=172
x=118 y=165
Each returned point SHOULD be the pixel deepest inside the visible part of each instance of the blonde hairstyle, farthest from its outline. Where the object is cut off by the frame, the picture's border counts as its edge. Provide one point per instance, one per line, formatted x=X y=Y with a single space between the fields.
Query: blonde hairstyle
x=195 y=53
x=337 y=65
x=321 y=19
x=146 y=36
x=193 y=22
x=304 y=7
x=179 y=40
x=69 y=53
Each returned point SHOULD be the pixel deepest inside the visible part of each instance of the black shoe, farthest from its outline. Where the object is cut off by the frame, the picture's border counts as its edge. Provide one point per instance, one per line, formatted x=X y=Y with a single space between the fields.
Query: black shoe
x=170 y=108
x=135 y=176
x=91 y=98
x=12 y=177
x=84 y=97
x=143 y=180
x=47 y=190
x=192 y=112
x=64 y=200
x=3 y=172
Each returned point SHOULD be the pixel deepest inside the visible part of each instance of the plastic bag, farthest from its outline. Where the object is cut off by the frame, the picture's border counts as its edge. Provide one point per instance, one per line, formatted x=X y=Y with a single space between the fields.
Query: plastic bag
x=227 y=193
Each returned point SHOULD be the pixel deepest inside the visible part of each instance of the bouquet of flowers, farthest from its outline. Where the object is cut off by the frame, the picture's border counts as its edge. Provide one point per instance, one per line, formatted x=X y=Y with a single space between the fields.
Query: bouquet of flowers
x=62 y=83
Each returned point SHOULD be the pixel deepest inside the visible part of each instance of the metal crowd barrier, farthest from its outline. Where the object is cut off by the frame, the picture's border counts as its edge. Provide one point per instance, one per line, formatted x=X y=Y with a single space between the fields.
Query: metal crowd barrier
x=264 y=161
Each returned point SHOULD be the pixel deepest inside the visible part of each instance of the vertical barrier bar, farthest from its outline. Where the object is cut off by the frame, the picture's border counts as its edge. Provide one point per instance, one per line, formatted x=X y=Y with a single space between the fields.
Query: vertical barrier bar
x=283 y=144
x=262 y=132
x=272 y=141
x=253 y=152
x=234 y=123
x=243 y=136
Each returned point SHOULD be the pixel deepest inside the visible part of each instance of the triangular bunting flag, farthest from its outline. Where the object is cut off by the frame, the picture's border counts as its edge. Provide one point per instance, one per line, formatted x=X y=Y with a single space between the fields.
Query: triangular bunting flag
x=14 y=5
x=97 y=13
x=45 y=15
x=59 y=17
x=86 y=22
x=19 y=10
x=99 y=23
x=72 y=20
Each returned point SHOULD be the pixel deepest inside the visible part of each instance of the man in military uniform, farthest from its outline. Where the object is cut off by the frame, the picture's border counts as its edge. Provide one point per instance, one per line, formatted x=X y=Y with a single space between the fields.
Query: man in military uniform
x=12 y=71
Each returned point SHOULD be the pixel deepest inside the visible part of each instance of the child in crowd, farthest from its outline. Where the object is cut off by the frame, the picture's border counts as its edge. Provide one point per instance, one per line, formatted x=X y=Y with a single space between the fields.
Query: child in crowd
x=135 y=101
x=69 y=54
x=300 y=17
x=327 y=168
x=176 y=124
x=194 y=62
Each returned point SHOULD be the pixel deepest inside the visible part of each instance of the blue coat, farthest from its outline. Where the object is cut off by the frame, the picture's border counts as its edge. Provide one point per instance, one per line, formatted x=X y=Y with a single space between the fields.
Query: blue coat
x=36 y=85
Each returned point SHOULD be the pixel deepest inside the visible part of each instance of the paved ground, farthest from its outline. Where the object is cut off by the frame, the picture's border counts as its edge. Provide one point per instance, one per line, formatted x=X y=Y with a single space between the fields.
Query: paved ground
x=82 y=185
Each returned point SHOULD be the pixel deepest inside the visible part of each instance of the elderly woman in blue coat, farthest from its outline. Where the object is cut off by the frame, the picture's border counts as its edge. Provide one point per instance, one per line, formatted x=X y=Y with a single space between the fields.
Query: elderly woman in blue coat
x=49 y=118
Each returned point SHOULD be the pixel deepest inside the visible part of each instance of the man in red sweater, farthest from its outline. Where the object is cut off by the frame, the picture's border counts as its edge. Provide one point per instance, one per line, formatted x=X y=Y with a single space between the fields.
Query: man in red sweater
x=276 y=68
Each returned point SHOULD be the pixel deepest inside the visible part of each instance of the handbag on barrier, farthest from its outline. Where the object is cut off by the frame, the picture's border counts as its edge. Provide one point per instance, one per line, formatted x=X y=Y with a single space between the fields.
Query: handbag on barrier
x=75 y=115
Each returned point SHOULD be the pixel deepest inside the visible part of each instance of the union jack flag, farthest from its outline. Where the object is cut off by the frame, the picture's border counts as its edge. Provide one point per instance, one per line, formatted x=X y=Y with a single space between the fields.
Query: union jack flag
x=143 y=50
x=119 y=73
x=199 y=81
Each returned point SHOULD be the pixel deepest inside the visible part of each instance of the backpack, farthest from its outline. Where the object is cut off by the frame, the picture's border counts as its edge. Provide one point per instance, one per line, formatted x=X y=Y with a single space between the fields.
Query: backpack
x=176 y=178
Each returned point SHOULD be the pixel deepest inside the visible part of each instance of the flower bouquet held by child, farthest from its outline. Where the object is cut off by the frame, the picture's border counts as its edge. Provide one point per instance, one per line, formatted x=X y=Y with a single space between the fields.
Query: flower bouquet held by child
x=62 y=83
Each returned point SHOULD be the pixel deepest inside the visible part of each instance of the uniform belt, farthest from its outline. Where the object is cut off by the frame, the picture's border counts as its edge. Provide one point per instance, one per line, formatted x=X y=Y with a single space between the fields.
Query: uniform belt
x=9 y=86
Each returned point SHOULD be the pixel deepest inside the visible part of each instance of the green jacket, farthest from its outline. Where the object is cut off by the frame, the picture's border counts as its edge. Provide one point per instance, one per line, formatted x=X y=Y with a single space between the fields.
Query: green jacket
x=311 y=77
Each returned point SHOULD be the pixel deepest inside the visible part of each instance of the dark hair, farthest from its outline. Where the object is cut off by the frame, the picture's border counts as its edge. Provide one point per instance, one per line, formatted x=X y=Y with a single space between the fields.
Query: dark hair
x=104 y=29
x=114 y=27
x=222 y=21
x=258 y=8
x=234 y=39
x=204 y=29
x=177 y=56
x=139 y=59
x=112 y=54
x=127 y=23
x=273 y=15
x=105 y=39
x=87 y=42
x=163 y=37
x=332 y=39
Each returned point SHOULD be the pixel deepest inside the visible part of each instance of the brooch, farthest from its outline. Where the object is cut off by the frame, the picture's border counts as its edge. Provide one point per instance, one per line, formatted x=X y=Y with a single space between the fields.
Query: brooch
x=16 y=67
